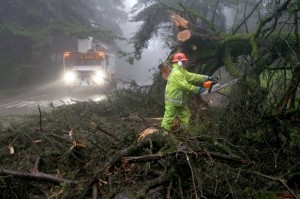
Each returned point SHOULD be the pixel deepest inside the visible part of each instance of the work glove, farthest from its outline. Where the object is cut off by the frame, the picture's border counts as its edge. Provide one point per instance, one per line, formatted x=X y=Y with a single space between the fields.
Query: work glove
x=201 y=90
x=213 y=78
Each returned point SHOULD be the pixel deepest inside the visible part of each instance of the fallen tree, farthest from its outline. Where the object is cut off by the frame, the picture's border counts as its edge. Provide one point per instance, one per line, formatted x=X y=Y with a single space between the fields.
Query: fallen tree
x=139 y=160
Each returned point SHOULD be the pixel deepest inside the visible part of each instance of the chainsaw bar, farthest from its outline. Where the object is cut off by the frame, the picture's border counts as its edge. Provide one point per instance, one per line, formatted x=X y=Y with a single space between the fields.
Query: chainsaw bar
x=218 y=86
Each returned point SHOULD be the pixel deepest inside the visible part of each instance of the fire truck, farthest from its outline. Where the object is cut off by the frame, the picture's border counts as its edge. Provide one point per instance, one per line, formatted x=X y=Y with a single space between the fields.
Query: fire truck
x=89 y=68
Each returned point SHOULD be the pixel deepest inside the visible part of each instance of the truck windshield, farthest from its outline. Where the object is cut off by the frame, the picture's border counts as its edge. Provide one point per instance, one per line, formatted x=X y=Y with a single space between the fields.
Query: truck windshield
x=87 y=61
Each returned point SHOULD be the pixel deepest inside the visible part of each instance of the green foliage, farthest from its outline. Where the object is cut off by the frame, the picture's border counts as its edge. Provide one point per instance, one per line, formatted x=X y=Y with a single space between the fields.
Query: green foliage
x=230 y=66
x=254 y=52
x=275 y=78
x=13 y=45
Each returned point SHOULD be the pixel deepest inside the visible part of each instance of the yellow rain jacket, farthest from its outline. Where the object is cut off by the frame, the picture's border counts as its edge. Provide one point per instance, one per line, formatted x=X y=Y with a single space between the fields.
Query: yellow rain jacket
x=176 y=95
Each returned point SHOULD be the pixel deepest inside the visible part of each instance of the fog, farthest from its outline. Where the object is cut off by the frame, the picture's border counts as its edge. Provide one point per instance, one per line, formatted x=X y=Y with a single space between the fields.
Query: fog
x=141 y=71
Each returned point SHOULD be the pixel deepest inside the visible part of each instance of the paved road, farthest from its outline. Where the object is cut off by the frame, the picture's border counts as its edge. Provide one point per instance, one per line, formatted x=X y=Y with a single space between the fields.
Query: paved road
x=12 y=108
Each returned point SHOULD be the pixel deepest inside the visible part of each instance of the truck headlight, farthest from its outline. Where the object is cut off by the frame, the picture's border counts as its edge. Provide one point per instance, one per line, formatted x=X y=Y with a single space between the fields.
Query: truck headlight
x=69 y=77
x=99 y=77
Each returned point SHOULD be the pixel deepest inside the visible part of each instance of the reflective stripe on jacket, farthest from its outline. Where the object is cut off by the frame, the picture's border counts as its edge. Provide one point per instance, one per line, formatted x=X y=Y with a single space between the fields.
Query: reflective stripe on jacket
x=178 y=85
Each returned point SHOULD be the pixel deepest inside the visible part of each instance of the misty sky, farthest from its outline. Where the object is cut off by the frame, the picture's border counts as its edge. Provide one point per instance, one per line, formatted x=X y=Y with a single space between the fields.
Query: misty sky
x=142 y=70
x=129 y=3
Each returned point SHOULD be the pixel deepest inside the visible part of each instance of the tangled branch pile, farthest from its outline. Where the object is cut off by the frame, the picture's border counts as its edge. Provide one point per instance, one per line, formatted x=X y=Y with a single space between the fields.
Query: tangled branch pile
x=115 y=149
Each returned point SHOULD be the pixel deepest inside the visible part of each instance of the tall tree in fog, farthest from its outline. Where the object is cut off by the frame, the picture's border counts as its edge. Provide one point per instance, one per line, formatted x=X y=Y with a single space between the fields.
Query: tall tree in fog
x=31 y=30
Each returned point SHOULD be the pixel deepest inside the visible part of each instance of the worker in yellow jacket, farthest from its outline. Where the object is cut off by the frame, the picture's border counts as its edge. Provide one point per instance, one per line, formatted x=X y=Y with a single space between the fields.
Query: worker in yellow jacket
x=177 y=89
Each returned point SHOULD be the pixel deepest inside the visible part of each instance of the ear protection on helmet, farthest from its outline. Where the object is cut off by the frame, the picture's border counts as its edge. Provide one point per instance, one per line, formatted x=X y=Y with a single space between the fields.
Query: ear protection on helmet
x=179 y=61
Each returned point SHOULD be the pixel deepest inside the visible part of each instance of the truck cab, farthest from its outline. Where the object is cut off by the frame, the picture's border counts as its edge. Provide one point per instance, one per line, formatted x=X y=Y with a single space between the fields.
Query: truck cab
x=89 y=65
x=90 y=68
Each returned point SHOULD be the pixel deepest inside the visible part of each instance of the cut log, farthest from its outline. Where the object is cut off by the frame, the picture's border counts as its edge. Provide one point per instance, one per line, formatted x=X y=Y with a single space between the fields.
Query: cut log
x=184 y=35
x=187 y=34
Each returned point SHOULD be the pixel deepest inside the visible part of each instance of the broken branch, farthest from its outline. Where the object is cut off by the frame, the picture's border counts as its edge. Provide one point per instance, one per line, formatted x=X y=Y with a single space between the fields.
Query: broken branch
x=39 y=176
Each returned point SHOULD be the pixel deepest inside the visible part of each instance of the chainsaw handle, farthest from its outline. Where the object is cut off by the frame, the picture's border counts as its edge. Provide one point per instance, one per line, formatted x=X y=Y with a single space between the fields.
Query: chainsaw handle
x=209 y=84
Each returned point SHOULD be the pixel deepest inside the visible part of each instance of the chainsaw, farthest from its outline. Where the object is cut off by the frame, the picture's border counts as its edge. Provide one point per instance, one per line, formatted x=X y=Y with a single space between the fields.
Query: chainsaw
x=213 y=85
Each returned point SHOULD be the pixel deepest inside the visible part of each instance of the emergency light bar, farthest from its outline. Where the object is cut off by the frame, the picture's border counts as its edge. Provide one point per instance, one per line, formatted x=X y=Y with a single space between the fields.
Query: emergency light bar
x=85 y=55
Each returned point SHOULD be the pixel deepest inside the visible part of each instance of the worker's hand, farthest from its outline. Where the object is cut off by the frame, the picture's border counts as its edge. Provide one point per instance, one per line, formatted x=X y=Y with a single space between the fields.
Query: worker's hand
x=213 y=78
x=201 y=90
